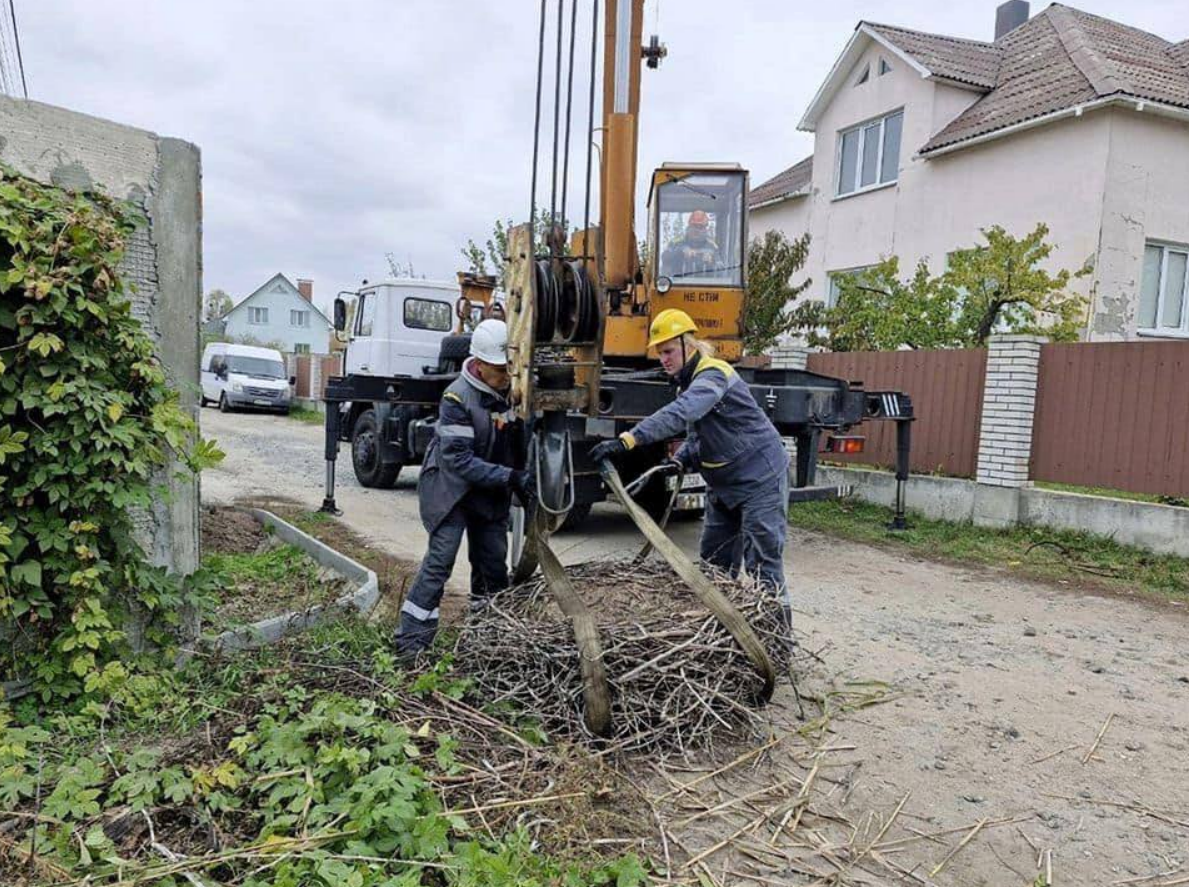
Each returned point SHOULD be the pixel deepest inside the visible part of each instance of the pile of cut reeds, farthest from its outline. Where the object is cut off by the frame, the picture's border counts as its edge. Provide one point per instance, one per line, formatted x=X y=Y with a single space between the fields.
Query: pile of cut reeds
x=677 y=678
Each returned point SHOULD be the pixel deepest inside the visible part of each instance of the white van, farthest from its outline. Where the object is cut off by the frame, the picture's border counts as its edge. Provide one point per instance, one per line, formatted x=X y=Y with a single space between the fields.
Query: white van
x=244 y=376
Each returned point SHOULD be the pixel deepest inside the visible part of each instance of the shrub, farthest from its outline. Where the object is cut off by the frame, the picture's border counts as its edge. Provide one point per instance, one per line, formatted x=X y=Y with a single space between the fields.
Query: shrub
x=87 y=422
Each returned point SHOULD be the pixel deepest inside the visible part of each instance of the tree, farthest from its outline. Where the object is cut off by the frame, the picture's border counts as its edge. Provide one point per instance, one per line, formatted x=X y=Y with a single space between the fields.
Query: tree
x=876 y=311
x=216 y=304
x=768 y=311
x=492 y=256
x=1005 y=291
x=993 y=287
x=398 y=269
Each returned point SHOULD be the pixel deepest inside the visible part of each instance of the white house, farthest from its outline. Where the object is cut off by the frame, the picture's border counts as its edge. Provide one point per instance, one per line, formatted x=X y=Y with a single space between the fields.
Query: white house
x=283 y=313
x=1066 y=118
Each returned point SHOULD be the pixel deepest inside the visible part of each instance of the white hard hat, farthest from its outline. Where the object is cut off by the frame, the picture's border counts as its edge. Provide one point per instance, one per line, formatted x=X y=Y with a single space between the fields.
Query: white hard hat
x=489 y=342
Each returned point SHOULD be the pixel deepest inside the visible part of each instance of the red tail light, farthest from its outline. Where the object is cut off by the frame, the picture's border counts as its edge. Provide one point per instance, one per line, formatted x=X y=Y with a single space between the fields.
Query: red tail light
x=846 y=445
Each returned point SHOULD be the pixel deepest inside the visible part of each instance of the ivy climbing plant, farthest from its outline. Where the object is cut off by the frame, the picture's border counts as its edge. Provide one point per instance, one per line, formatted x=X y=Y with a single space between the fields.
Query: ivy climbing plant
x=87 y=423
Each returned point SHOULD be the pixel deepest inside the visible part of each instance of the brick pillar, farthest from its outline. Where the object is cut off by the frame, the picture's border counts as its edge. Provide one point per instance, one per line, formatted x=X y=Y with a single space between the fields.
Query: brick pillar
x=1009 y=399
x=316 y=376
x=790 y=357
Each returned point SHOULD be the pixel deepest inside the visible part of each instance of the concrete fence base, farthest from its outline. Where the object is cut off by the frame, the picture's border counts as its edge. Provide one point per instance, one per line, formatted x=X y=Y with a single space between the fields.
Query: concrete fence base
x=1163 y=529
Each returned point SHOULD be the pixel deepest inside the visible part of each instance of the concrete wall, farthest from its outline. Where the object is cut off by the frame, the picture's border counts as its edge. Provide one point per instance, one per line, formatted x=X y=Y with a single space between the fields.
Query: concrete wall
x=1163 y=529
x=790 y=216
x=1146 y=195
x=164 y=260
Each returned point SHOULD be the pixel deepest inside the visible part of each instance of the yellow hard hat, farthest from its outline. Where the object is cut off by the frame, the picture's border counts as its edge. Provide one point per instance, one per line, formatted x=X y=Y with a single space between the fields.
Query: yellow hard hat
x=669 y=324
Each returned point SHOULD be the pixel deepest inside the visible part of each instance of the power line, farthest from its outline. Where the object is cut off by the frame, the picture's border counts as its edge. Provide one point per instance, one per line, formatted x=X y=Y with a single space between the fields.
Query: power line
x=6 y=73
x=16 y=38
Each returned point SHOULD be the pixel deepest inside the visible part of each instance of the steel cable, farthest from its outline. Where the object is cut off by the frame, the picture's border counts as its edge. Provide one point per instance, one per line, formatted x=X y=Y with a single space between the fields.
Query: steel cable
x=565 y=175
x=556 y=120
x=532 y=213
x=16 y=38
x=594 y=45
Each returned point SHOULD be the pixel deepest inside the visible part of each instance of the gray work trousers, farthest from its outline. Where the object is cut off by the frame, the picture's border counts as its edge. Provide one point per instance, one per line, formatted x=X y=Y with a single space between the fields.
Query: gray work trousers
x=750 y=536
x=487 y=547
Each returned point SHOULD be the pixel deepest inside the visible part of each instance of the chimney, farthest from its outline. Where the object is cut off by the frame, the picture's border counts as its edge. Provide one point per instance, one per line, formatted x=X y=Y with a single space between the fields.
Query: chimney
x=306 y=287
x=1009 y=16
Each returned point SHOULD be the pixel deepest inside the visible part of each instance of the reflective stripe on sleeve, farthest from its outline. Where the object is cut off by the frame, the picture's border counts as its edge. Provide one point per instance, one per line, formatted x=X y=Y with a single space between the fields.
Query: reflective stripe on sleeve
x=456 y=431
x=419 y=613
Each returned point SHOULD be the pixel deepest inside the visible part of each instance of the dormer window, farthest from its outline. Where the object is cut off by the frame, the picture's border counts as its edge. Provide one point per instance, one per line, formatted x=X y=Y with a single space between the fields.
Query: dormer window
x=884 y=67
x=869 y=154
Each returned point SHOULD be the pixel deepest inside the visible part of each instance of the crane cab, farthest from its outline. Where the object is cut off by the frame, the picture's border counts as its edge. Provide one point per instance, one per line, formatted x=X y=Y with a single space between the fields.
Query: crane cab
x=695 y=258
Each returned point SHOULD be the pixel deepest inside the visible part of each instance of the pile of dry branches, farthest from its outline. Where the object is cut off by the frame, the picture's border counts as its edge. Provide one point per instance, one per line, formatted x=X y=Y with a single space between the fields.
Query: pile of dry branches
x=677 y=678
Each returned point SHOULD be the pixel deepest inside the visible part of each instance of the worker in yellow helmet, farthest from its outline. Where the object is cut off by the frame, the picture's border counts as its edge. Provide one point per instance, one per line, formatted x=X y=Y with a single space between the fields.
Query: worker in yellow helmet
x=730 y=440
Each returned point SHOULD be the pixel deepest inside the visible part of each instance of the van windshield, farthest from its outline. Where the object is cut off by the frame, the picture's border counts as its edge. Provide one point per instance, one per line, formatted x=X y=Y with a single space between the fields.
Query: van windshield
x=258 y=367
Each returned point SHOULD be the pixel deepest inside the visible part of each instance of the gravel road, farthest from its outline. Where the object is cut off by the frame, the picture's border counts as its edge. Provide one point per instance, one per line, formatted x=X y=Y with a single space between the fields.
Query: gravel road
x=993 y=676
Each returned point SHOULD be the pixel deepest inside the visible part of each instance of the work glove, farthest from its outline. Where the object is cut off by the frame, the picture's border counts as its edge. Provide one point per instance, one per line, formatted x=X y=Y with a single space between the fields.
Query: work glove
x=608 y=449
x=523 y=486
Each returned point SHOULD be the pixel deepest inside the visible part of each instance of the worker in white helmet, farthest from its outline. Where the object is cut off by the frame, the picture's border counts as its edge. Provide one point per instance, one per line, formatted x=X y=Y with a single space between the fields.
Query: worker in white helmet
x=466 y=485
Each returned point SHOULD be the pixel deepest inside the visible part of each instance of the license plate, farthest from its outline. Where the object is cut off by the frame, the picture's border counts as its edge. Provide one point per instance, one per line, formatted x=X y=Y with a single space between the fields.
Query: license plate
x=688 y=482
x=260 y=402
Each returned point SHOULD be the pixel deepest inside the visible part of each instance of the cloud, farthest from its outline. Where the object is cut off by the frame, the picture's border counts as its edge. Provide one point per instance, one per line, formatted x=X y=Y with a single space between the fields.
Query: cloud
x=333 y=133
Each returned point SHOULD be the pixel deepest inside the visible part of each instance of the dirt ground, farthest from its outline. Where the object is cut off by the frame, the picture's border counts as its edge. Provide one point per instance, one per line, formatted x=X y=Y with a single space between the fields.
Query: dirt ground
x=997 y=691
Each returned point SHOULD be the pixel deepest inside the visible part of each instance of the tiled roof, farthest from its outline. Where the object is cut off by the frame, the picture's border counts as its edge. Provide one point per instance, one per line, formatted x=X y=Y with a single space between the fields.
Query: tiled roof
x=794 y=180
x=967 y=61
x=1061 y=58
x=1180 y=53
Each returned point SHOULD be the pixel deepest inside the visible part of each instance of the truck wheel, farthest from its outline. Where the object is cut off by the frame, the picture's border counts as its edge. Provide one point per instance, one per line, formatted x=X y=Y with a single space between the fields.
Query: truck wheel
x=224 y=406
x=370 y=469
x=576 y=516
x=454 y=350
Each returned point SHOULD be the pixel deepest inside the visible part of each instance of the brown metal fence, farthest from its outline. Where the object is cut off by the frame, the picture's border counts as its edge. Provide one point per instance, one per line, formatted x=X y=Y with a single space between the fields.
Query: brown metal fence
x=1114 y=415
x=946 y=388
x=301 y=364
x=332 y=365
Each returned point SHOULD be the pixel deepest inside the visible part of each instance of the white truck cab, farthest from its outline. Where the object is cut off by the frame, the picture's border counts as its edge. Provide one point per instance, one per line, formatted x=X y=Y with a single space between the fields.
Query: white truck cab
x=399 y=326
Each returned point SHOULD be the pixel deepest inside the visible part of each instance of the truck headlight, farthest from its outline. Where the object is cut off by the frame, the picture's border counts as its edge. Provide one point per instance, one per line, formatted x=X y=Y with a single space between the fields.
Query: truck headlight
x=237 y=387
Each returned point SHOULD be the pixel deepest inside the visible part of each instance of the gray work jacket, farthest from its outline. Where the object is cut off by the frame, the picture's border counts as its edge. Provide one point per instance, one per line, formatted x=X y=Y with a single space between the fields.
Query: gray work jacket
x=471 y=454
x=728 y=438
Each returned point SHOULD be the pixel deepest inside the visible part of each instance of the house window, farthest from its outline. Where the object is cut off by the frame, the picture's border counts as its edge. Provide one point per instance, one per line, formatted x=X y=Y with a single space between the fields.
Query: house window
x=869 y=155
x=884 y=67
x=301 y=348
x=835 y=290
x=1165 y=290
x=257 y=315
x=428 y=314
x=299 y=318
x=864 y=75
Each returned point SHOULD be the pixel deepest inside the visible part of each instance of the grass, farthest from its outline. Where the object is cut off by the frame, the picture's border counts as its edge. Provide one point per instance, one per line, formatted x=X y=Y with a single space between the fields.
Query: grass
x=320 y=748
x=1113 y=494
x=310 y=417
x=264 y=583
x=1030 y=552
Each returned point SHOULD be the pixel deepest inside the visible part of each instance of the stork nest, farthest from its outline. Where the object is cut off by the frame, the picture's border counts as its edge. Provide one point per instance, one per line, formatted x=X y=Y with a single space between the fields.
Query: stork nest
x=678 y=680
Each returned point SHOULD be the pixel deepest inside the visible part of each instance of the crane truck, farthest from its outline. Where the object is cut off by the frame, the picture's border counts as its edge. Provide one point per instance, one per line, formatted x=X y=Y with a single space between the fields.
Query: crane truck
x=578 y=316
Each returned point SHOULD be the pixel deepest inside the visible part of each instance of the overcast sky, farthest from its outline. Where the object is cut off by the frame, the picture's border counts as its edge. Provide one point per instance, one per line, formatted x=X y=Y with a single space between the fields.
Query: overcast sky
x=332 y=133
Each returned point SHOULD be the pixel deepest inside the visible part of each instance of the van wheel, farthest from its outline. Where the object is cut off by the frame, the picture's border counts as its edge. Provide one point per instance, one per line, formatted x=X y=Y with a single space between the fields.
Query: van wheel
x=370 y=469
x=202 y=402
x=224 y=406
